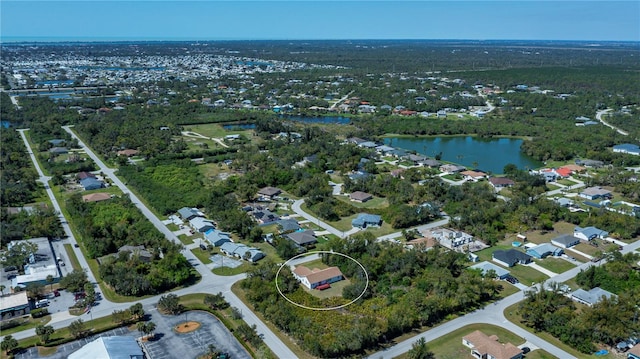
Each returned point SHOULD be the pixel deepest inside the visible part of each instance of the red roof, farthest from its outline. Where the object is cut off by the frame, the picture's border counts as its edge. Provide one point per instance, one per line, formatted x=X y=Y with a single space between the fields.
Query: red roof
x=563 y=172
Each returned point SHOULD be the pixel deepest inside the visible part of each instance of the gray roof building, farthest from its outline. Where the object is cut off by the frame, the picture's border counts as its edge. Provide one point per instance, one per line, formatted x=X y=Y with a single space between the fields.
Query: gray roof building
x=487 y=266
x=591 y=297
x=304 y=238
x=510 y=257
x=565 y=241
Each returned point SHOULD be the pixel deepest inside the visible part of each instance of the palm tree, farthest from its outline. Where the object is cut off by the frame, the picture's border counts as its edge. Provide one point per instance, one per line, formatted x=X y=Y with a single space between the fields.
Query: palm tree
x=2 y=288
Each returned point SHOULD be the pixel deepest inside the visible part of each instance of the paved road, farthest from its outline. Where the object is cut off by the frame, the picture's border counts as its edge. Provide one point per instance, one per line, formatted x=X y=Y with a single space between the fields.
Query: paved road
x=298 y=210
x=210 y=282
x=494 y=314
x=599 y=115
x=65 y=225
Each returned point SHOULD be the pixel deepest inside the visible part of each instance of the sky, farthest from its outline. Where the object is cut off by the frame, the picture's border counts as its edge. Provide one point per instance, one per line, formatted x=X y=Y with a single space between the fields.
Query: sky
x=320 y=19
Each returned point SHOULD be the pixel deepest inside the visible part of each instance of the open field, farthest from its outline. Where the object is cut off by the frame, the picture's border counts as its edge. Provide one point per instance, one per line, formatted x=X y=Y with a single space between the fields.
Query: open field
x=556 y=265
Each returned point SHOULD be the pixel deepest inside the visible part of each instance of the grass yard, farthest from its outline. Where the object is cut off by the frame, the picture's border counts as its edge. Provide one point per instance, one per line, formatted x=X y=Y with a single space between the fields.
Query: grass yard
x=244 y=267
x=216 y=130
x=450 y=346
x=186 y=240
x=527 y=275
x=587 y=248
x=559 y=228
x=75 y=264
x=334 y=291
x=556 y=265
x=375 y=202
x=203 y=256
x=28 y=323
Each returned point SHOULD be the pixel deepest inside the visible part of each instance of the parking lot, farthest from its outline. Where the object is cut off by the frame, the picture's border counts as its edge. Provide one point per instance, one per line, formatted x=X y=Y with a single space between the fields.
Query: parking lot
x=168 y=344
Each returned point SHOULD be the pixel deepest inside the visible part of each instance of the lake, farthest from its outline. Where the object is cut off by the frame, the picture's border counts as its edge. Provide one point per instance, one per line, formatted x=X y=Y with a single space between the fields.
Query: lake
x=485 y=154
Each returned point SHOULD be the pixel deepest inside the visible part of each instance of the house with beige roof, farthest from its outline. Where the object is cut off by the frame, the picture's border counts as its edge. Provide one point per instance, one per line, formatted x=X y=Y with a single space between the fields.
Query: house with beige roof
x=485 y=347
x=359 y=196
x=315 y=278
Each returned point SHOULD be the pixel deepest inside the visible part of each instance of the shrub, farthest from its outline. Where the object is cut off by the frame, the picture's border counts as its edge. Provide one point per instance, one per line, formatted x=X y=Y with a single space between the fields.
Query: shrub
x=39 y=313
x=10 y=324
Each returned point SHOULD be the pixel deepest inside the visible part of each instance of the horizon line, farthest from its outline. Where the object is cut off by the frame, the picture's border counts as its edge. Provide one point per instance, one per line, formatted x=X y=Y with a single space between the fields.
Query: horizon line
x=106 y=39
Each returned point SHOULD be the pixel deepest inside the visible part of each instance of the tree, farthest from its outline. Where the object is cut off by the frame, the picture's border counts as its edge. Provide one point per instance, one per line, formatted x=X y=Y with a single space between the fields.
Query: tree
x=419 y=350
x=19 y=253
x=50 y=280
x=8 y=344
x=35 y=289
x=77 y=328
x=146 y=328
x=44 y=332
x=120 y=316
x=137 y=311
x=74 y=282
x=170 y=304
x=212 y=351
x=216 y=301
x=90 y=293
x=2 y=288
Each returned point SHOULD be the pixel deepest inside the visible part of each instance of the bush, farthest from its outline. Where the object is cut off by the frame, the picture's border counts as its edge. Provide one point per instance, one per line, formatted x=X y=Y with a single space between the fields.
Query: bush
x=39 y=313
x=10 y=324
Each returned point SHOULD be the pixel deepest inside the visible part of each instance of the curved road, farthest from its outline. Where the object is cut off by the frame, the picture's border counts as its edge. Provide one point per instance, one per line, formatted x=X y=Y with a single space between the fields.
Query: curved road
x=210 y=282
x=601 y=113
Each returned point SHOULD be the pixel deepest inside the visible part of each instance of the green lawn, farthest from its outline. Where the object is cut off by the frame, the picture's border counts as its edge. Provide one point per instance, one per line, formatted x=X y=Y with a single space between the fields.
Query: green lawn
x=559 y=229
x=527 y=275
x=587 y=249
x=203 y=256
x=27 y=323
x=185 y=239
x=556 y=265
x=72 y=257
x=450 y=346
x=375 y=202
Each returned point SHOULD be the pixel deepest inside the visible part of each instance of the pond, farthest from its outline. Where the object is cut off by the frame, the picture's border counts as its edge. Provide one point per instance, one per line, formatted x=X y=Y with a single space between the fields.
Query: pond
x=485 y=154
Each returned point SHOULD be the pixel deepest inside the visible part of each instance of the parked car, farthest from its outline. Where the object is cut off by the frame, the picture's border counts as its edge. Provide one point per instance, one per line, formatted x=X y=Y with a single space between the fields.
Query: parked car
x=525 y=350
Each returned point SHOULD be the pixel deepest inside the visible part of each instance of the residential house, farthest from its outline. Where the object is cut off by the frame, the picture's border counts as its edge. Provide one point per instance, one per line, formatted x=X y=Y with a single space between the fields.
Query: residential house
x=441 y=114
x=96 y=197
x=488 y=347
x=565 y=241
x=592 y=193
x=82 y=175
x=265 y=216
x=563 y=172
x=543 y=250
x=315 y=278
x=114 y=347
x=634 y=353
x=431 y=163
x=452 y=239
x=364 y=220
x=501 y=182
x=474 y=176
x=288 y=225
x=57 y=141
x=242 y=251
x=59 y=150
x=589 y=233
x=201 y=224
x=590 y=297
x=564 y=202
x=449 y=168
x=590 y=163
x=91 y=183
x=627 y=148
x=415 y=158
x=14 y=305
x=268 y=193
x=510 y=257
x=368 y=144
x=359 y=196
x=217 y=238
x=187 y=213
x=128 y=152
x=383 y=149
x=303 y=238
x=137 y=251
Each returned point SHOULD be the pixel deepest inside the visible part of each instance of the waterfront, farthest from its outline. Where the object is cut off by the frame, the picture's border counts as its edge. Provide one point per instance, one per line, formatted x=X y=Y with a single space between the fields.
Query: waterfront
x=485 y=154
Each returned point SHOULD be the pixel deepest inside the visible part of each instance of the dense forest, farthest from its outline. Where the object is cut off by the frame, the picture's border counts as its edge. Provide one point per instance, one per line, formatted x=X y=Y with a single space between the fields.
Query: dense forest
x=106 y=226
x=408 y=289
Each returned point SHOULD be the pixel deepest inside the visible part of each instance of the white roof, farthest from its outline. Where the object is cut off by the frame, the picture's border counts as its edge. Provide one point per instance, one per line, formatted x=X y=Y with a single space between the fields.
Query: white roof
x=14 y=300
x=35 y=274
x=110 y=348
